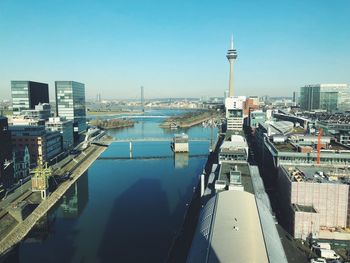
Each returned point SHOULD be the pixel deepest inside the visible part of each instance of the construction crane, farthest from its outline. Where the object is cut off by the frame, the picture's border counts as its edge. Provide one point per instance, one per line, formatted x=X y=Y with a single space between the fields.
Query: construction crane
x=320 y=132
x=40 y=179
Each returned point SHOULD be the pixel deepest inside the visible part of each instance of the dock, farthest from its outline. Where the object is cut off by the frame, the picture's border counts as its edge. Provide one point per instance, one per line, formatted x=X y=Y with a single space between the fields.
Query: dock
x=22 y=229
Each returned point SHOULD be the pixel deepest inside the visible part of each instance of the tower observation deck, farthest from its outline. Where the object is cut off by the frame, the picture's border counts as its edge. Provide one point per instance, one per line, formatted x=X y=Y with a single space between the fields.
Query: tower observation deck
x=231 y=56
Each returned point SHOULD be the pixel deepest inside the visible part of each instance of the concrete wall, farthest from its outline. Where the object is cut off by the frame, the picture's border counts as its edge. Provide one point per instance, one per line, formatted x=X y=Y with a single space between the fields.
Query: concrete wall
x=306 y=223
x=329 y=199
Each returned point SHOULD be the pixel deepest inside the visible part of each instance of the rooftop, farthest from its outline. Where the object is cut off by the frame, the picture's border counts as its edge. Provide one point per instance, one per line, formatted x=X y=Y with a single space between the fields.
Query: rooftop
x=304 y=208
x=224 y=174
x=228 y=230
x=315 y=174
x=293 y=147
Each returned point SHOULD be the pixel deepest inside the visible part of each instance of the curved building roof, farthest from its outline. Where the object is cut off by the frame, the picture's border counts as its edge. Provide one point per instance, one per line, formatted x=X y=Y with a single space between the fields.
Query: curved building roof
x=229 y=230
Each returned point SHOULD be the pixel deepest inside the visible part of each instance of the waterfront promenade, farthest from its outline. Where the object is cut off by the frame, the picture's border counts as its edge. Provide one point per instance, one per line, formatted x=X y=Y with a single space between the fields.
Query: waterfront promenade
x=23 y=228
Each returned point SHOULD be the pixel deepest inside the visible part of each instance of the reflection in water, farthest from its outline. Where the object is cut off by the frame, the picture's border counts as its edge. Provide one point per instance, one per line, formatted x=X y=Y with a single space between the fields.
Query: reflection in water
x=180 y=160
x=134 y=209
x=76 y=198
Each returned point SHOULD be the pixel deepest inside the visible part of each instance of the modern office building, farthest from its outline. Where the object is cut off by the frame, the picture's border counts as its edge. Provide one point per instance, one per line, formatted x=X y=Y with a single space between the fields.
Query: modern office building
x=70 y=103
x=65 y=127
x=43 y=145
x=27 y=94
x=5 y=149
x=295 y=98
x=330 y=97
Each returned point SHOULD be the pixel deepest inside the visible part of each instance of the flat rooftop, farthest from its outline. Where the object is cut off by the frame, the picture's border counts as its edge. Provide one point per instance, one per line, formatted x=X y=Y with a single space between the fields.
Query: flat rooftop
x=229 y=133
x=324 y=174
x=224 y=174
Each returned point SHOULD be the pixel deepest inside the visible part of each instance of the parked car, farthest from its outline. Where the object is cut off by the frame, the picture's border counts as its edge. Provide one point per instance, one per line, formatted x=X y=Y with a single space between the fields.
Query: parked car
x=318 y=260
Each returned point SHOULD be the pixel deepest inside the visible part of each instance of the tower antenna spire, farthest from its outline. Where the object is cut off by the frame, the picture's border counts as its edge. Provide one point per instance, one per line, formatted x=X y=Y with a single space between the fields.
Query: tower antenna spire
x=232 y=41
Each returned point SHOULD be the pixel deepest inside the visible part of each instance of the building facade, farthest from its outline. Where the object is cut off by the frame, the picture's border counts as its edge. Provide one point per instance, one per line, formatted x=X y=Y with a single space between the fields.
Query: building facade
x=6 y=149
x=21 y=164
x=70 y=103
x=65 y=127
x=42 y=145
x=27 y=94
x=234 y=113
x=313 y=199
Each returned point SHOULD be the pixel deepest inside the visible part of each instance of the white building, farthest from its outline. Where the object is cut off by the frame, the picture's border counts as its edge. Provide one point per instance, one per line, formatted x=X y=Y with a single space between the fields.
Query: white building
x=234 y=112
x=65 y=127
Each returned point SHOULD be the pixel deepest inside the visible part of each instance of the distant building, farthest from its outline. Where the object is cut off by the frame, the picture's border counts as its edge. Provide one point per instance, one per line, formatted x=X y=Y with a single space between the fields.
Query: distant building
x=35 y=117
x=255 y=117
x=42 y=145
x=337 y=125
x=330 y=97
x=42 y=111
x=65 y=127
x=27 y=94
x=6 y=151
x=295 y=98
x=251 y=103
x=70 y=103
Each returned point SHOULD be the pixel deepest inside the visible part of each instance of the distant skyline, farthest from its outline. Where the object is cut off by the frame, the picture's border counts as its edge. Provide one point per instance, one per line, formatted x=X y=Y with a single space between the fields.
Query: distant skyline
x=174 y=48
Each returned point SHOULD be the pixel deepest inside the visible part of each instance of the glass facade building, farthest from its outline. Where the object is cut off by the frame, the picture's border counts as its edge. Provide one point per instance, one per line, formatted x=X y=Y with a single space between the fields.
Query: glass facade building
x=70 y=103
x=27 y=94
x=330 y=97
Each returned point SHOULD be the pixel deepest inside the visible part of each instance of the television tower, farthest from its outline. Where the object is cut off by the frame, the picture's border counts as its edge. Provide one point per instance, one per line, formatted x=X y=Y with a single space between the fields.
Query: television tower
x=231 y=56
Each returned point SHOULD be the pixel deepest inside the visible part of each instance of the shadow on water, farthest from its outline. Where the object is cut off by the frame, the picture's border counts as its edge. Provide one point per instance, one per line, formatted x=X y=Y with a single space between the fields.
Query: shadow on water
x=135 y=234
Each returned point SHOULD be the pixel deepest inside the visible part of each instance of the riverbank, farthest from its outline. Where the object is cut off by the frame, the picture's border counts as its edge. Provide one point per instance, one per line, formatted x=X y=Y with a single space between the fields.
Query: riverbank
x=112 y=113
x=112 y=123
x=23 y=228
x=189 y=119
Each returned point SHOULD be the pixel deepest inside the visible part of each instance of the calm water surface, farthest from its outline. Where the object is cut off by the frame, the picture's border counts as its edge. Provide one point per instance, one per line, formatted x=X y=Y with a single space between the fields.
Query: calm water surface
x=121 y=210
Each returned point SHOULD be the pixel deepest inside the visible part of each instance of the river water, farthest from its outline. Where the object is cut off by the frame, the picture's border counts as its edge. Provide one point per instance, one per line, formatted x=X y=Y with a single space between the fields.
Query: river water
x=122 y=210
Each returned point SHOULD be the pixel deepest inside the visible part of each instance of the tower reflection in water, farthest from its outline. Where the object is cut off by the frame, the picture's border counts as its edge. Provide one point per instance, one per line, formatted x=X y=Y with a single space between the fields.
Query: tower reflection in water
x=76 y=198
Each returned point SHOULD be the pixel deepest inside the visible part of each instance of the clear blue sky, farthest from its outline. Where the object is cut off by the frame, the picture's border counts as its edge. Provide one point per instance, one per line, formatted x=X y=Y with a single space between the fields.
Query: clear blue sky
x=174 y=48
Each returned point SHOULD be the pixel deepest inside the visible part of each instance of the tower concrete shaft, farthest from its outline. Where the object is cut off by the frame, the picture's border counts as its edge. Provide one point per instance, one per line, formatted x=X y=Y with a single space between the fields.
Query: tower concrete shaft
x=231 y=56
